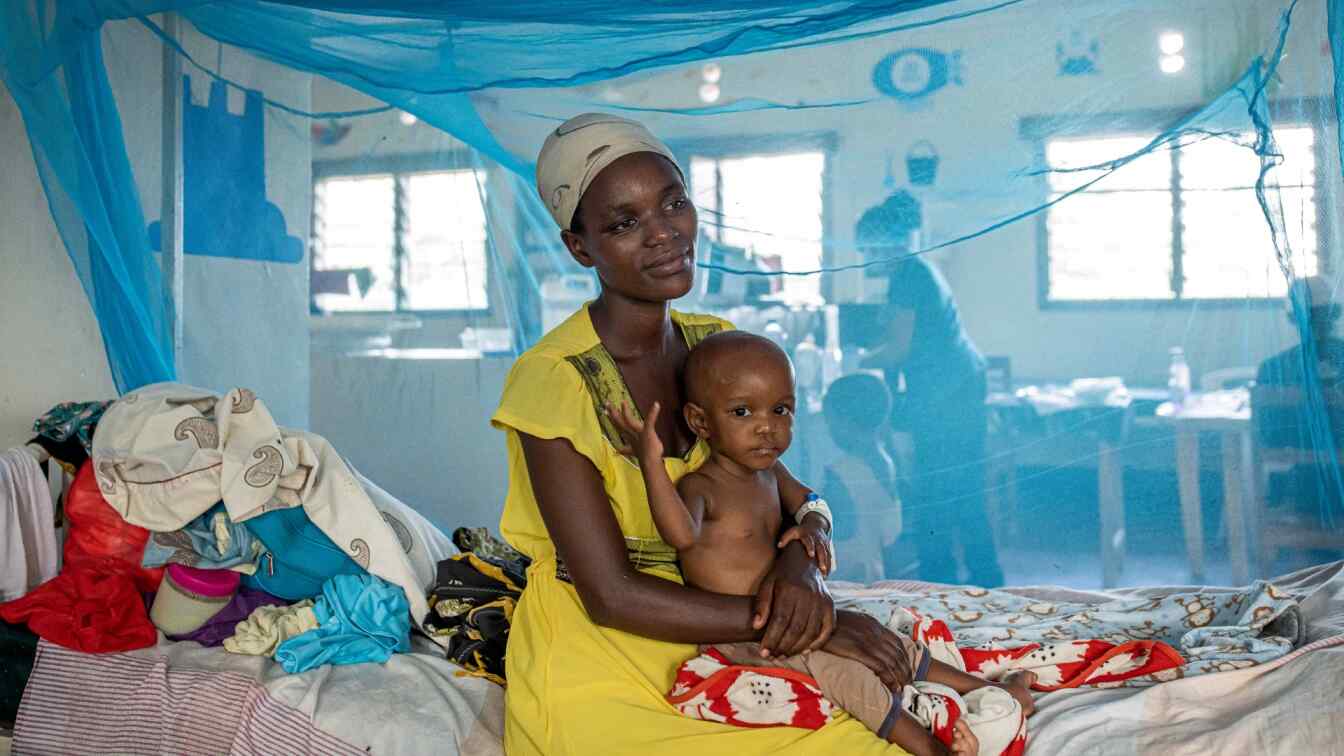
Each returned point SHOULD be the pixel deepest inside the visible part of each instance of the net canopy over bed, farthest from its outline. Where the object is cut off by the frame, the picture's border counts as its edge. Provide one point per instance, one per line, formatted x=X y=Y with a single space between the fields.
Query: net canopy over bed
x=1132 y=208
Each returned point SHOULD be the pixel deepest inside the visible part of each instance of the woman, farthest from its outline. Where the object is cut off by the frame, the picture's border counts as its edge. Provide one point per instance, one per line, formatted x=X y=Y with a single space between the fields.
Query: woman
x=943 y=405
x=605 y=620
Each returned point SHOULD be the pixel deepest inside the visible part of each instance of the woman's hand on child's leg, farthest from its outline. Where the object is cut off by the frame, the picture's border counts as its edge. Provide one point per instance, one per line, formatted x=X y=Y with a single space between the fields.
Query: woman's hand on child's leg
x=859 y=637
x=964 y=742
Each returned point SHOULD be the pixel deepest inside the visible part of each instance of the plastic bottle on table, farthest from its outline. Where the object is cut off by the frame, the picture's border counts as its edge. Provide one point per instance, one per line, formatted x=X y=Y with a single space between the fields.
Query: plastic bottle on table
x=1178 y=377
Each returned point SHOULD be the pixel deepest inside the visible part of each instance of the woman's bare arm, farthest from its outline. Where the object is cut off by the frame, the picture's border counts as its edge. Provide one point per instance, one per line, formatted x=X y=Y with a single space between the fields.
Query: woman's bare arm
x=587 y=537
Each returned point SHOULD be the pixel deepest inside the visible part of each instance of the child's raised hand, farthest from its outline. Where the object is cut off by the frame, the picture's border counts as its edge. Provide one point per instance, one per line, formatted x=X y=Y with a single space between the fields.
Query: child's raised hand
x=964 y=742
x=641 y=436
x=814 y=540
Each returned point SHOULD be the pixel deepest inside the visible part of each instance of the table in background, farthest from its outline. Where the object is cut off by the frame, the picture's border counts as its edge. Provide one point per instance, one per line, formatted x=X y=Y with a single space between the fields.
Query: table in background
x=1107 y=424
x=1227 y=413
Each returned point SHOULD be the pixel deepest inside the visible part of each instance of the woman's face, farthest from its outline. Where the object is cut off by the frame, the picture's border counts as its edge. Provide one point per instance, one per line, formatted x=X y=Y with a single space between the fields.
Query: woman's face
x=636 y=227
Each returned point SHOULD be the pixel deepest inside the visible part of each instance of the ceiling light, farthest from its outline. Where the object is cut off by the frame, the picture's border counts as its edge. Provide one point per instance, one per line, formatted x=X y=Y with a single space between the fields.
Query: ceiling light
x=1171 y=64
x=1171 y=43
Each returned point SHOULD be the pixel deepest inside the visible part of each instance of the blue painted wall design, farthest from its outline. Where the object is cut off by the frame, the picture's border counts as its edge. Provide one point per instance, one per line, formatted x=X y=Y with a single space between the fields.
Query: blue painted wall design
x=226 y=213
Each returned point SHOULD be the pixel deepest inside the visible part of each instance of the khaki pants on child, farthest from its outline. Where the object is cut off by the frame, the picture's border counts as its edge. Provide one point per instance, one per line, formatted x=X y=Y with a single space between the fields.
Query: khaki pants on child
x=845 y=682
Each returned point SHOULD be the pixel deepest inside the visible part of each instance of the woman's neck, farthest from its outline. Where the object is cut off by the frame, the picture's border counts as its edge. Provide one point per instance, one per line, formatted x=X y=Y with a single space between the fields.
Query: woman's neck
x=628 y=327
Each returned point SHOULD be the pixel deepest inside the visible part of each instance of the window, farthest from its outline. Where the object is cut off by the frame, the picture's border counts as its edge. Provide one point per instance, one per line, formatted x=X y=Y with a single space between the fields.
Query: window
x=413 y=240
x=1178 y=224
x=769 y=204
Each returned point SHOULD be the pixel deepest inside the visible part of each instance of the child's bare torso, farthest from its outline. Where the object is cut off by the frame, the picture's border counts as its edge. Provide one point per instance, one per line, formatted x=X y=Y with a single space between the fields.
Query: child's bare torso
x=738 y=534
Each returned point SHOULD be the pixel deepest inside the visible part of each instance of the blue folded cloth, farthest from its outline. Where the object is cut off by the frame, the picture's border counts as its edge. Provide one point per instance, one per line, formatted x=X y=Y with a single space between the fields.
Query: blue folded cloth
x=361 y=618
x=209 y=542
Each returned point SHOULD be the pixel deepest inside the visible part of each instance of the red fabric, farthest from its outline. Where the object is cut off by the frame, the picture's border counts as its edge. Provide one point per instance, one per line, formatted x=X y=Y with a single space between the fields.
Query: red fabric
x=93 y=606
x=706 y=688
x=95 y=531
x=1067 y=664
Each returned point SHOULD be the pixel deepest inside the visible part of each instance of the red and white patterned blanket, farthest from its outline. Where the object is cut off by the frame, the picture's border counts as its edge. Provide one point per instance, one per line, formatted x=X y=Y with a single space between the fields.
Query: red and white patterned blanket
x=709 y=687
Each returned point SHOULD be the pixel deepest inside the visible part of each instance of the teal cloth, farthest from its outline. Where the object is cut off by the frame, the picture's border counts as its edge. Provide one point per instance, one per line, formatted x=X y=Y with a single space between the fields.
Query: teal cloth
x=361 y=618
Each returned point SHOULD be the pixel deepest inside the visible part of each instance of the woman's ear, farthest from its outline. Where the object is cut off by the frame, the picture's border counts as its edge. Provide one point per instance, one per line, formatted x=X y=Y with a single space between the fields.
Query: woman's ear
x=577 y=249
x=696 y=419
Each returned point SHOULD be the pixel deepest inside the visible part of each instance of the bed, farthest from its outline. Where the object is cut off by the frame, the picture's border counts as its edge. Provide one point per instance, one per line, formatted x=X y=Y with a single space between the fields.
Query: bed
x=180 y=697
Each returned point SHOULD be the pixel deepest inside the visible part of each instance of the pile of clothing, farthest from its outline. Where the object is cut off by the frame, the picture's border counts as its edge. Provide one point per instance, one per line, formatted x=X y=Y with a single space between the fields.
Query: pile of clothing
x=472 y=603
x=195 y=515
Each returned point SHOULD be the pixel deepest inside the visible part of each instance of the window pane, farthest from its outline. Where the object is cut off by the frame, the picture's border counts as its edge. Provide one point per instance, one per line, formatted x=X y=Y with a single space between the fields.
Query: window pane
x=1220 y=163
x=1228 y=251
x=445 y=264
x=1114 y=245
x=1297 y=145
x=772 y=206
x=1151 y=171
x=705 y=194
x=354 y=229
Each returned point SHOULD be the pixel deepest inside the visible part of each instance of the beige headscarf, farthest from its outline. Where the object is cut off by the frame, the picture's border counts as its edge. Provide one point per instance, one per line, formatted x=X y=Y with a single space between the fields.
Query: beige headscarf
x=579 y=149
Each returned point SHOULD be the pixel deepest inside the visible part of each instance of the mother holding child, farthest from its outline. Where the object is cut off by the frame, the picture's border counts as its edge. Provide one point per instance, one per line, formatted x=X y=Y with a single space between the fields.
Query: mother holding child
x=631 y=571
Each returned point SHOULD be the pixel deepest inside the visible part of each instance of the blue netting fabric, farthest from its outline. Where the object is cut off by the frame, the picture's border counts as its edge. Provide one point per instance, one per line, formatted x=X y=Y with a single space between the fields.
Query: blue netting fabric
x=984 y=127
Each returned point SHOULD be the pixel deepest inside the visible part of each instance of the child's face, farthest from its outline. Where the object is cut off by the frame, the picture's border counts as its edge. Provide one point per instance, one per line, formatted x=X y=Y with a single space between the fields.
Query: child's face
x=748 y=416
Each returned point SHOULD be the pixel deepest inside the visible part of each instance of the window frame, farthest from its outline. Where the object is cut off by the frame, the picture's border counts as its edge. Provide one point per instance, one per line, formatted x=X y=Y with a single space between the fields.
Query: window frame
x=1038 y=130
x=747 y=145
x=399 y=166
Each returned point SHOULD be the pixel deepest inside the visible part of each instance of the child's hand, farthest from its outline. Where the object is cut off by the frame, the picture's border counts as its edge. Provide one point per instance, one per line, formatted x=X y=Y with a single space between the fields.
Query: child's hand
x=641 y=436
x=814 y=540
x=964 y=742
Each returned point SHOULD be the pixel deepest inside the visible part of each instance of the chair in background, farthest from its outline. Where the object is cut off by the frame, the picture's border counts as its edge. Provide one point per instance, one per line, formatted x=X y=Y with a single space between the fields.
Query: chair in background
x=999 y=374
x=1283 y=421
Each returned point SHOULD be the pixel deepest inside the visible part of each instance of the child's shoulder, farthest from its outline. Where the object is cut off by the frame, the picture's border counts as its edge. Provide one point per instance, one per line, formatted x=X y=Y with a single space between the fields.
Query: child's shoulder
x=695 y=483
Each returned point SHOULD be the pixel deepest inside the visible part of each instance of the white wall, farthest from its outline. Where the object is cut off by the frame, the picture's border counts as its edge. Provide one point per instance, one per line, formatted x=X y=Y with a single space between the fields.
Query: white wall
x=245 y=323
x=1009 y=72
x=975 y=126
x=52 y=351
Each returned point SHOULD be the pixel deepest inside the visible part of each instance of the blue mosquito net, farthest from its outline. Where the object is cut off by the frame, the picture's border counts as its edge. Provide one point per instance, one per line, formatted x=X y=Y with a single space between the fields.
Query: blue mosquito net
x=1060 y=280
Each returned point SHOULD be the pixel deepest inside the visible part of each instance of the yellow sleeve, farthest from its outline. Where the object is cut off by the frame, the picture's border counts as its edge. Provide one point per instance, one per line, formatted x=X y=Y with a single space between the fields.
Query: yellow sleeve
x=545 y=397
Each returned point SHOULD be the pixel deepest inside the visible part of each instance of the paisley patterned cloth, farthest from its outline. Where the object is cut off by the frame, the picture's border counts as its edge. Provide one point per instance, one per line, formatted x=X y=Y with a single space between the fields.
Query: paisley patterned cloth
x=166 y=453
x=1212 y=631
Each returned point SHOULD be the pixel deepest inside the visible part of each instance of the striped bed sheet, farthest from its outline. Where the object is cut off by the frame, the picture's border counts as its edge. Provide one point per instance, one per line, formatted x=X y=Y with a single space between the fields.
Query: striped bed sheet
x=180 y=698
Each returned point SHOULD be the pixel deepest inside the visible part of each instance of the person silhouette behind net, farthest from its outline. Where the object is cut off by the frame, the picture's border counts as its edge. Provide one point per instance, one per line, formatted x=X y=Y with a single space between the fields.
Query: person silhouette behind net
x=925 y=348
x=861 y=483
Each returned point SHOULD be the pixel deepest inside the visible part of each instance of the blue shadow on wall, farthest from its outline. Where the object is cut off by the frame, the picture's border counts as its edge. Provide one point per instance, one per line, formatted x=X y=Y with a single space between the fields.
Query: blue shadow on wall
x=223 y=163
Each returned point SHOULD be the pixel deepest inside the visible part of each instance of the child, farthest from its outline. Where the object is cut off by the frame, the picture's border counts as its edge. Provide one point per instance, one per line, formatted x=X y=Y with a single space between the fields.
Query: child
x=861 y=482
x=724 y=520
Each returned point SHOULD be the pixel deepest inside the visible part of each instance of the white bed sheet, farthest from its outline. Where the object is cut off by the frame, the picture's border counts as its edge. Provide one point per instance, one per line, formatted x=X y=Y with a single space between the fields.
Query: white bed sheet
x=1293 y=705
x=420 y=703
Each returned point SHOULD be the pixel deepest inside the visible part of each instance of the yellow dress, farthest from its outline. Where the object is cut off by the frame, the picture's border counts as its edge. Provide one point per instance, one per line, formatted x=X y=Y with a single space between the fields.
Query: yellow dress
x=575 y=687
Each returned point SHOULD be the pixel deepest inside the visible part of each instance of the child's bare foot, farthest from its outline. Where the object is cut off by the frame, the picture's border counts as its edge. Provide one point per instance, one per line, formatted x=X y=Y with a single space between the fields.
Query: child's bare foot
x=1018 y=684
x=964 y=742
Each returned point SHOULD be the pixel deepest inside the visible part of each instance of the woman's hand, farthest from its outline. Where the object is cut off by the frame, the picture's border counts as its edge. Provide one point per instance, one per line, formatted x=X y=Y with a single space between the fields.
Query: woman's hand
x=793 y=606
x=859 y=637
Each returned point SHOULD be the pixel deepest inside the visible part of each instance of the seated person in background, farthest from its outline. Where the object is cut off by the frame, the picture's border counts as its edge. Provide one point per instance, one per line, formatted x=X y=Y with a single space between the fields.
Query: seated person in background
x=725 y=519
x=861 y=484
x=1311 y=297
x=1303 y=489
